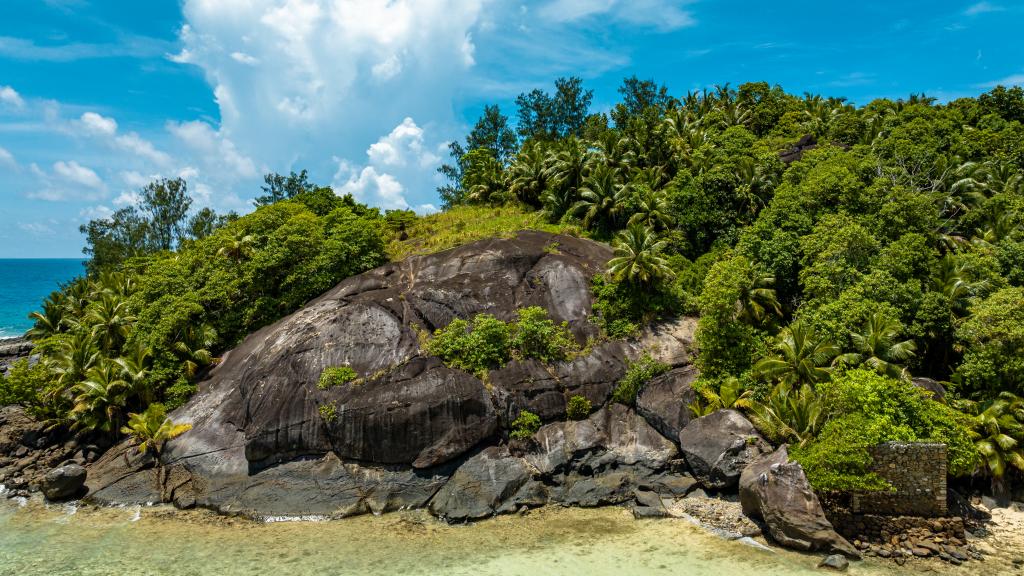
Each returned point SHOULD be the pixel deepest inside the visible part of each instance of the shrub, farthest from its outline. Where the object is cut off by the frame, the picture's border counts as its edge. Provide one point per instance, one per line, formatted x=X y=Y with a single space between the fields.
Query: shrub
x=525 y=425
x=335 y=376
x=329 y=412
x=26 y=385
x=620 y=309
x=475 y=347
x=534 y=335
x=578 y=408
x=637 y=375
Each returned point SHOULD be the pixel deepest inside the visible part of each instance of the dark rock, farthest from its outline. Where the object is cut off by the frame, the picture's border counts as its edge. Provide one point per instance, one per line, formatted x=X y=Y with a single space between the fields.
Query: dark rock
x=835 y=562
x=64 y=482
x=665 y=401
x=19 y=431
x=937 y=390
x=808 y=142
x=719 y=446
x=775 y=490
x=489 y=483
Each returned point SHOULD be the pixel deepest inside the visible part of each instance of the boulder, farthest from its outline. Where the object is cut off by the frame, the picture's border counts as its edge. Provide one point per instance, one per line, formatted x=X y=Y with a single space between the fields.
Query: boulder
x=836 y=562
x=933 y=387
x=665 y=401
x=489 y=483
x=63 y=482
x=775 y=490
x=719 y=446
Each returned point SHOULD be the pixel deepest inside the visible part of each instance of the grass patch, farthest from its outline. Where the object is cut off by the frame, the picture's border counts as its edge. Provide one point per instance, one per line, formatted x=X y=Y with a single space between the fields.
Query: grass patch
x=463 y=224
x=335 y=376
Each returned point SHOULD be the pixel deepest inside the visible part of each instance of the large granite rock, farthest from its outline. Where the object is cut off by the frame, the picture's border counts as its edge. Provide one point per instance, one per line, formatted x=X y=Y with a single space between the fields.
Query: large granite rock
x=491 y=482
x=719 y=446
x=665 y=401
x=775 y=490
x=64 y=482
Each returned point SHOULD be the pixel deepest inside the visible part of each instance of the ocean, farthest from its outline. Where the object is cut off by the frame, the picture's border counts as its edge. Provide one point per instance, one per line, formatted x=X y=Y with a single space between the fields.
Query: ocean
x=24 y=282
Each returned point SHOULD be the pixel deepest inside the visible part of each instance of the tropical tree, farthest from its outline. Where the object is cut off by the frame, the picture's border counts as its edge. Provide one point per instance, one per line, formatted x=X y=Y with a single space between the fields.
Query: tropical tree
x=528 y=174
x=134 y=362
x=997 y=434
x=953 y=280
x=600 y=197
x=238 y=247
x=637 y=258
x=99 y=399
x=729 y=395
x=652 y=209
x=111 y=321
x=152 y=429
x=75 y=356
x=789 y=414
x=757 y=298
x=878 y=346
x=801 y=357
x=194 y=348
x=51 y=320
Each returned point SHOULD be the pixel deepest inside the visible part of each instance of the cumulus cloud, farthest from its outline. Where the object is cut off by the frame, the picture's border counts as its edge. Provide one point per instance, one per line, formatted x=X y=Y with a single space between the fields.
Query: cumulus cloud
x=301 y=81
x=982 y=8
x=68 y=180
x=36 y=228
x=75 y=173
x=101 y=126
x=402 y=146
x=10 y=97
x=97 y=124
x=213 y=146
x=95 y=212
x=6 y=158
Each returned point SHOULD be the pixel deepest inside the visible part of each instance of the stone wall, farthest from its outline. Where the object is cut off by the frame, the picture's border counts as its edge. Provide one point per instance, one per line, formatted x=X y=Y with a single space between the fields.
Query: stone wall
x=917 y=472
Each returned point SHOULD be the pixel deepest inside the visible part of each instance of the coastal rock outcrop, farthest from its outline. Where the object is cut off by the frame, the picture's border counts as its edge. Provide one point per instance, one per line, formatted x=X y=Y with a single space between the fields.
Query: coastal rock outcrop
x=775 y=490
x=719 y=446
x=63 y=482
x=665 y=400
x=267 y=440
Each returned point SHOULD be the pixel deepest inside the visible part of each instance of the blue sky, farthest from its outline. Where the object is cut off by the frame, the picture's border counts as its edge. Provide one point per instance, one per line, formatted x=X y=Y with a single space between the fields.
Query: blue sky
x=99 y=97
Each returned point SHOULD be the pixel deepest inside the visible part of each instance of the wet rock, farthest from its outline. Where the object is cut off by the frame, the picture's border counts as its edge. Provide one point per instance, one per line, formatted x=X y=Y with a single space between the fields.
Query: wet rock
x=775 y=490
x=489 y=483
x=719 y=446
x=665 y=401
x=64 y=482
x=836 y=562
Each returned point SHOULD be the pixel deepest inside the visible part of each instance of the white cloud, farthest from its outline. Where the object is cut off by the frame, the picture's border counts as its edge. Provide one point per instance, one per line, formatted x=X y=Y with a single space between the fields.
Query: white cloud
x=75 y=173
x=95 y=212
x=244 y=58
x=98 y=124
x=213 y=147
x=1011 y=80
x=36 y=228
x=982 y=8
x=659 y=14
x=367 y=185
x=402 y=146
x=11 y=97
x=6 y=158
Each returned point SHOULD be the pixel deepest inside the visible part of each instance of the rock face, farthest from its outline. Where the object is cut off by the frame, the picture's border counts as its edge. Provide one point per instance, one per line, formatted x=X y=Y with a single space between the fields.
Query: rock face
x=775 y=490
x=12 y=350
x=63 y=482
x=267 y=441
x=719 y=446
x=665 y=400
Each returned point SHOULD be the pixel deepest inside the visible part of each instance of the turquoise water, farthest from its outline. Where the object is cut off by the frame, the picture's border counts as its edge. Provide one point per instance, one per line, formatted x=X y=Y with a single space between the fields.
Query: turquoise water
x=64 y=540
x=24 y=282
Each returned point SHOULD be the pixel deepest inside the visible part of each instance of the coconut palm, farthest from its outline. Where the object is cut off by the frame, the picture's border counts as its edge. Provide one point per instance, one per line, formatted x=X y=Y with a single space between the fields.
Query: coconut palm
x=134 y=363
x=998 y=432
x=637 y=257
x=801 y=357
x=614 y=151
x=152 y=429
x=111 y=321
x=194 y=348
x=51 y=320
x=238 y=247
x=76 y=354
x=789 y=414
x=569 y=165
x=878 y=347
x=600 y=197
x=952 y=279
x=729 y=395
x=528 y=174
x=754 y=184
x=652 y=210
x=758 y=299
x=99 y=399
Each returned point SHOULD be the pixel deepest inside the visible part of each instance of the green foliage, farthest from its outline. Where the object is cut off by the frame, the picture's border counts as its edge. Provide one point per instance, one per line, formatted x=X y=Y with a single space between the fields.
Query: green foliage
x=335 y=376
x=730 y=394
x=866 y=408
x=525 y=425
x=152 y=429
x=534 y=335
x=328 y=412
x=994 y=334
x=637 y=374
x=27 y=385
x=620 y=308
x=578 y=408
x=487 y=343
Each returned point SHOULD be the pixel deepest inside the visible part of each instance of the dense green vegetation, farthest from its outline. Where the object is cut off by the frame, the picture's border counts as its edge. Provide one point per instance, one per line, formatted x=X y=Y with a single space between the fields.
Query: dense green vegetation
x=833 y=253
x=830 y=250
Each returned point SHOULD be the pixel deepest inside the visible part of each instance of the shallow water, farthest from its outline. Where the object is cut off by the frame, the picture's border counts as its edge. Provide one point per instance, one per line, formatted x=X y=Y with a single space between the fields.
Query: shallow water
x=36 y=539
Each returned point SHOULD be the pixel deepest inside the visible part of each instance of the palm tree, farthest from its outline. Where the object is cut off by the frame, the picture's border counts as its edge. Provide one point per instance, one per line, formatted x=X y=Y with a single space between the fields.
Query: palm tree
x=238 y=247
x=194 y=348
x=652 y=210
x=110 y=320
x=729 y=395
x=614 y=151
x=152 y=429
x=801 y=357
x=75 y=356
x=757 y=297
x=98 y=399
x=637 y=257
x=997 y=434
x=528 y=174
x=600 y=197
x=952 y=279
x=134 y=363
x=878 y=347
x=789 y=414
x=569 y=165
x=755 y=186
x=51 y=320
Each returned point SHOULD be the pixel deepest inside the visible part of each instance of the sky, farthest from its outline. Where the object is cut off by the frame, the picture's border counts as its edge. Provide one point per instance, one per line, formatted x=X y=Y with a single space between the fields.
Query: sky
x=100 y=97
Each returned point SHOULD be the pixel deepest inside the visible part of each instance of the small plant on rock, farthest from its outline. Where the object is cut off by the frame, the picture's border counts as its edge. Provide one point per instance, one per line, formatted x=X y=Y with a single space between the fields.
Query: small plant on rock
x=329 y=412
x=534 y=335
x=637 y=375
x=335 y=376
x=525 y=426
x=578 y=408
